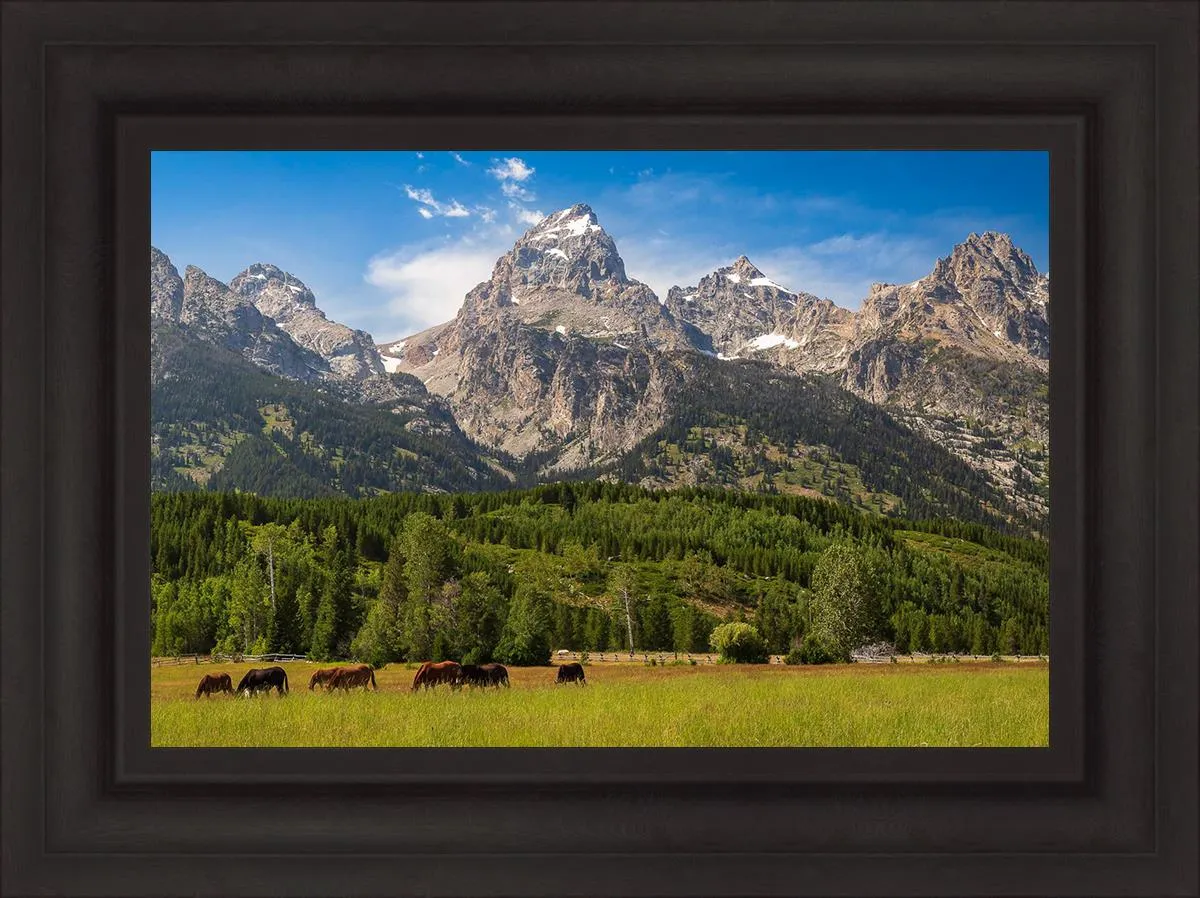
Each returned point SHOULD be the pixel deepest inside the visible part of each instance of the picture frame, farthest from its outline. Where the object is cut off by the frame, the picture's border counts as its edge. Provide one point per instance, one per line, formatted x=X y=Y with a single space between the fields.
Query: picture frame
x=1110 y=808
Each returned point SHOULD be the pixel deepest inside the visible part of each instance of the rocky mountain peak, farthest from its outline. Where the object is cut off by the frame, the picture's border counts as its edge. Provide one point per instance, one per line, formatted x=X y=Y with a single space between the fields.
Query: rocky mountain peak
x=744 y=268
x=737 y=310
x=350 y=354
x=990 y=255
x=263 y=279
x=204 y=293
x=166 y=287
x=566 y=250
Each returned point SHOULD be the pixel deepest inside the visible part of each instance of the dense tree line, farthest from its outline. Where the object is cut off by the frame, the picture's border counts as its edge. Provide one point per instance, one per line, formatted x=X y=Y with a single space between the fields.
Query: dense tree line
x=587 y=566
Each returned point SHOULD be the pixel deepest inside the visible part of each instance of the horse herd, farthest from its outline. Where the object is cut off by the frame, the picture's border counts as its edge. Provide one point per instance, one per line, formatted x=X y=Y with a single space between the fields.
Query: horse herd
x=430 y=675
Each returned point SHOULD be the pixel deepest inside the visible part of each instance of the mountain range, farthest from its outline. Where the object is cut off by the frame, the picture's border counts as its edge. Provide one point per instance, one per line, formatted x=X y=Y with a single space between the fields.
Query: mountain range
x=930 y=400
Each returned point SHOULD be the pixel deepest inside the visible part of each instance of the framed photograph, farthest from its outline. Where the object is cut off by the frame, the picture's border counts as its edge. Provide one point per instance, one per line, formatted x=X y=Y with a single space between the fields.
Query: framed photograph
x=532 y=449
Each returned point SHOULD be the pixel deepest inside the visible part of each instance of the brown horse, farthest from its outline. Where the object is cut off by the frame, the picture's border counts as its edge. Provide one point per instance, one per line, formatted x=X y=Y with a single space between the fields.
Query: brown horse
x=322 y=677
x=349 y=677
x=497 y=674
x=263 y=679
x=432 y=673
x=211 y=683
x=571 y=673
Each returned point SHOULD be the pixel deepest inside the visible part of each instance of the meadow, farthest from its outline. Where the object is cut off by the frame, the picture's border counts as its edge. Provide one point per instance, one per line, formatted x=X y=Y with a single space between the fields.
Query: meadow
x=982 y=704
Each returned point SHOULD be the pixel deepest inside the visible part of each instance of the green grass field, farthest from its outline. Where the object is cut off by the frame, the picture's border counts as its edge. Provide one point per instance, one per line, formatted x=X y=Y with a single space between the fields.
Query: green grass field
x=627 y=705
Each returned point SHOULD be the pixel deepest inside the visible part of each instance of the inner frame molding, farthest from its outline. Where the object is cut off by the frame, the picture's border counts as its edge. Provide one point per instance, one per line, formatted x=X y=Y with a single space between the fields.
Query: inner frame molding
x=1109 y=809
x=732 y=770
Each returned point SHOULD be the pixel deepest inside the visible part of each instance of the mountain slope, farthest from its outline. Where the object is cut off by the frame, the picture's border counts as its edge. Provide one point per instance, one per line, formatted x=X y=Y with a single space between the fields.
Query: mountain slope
x=238 y=402
x=748 y=425
x=219 y=421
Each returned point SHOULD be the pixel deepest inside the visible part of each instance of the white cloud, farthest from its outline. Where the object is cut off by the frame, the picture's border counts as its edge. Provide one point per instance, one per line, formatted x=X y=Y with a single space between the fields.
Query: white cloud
x=526 y=216
x=515 y=191
x=426 y=285
x=510 y=169
x=420 y=155
x=460 y=160
x=431 y=207
x=486 y=214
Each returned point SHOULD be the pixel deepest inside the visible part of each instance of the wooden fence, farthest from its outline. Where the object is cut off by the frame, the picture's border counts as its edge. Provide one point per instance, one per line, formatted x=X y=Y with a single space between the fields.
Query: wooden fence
x=224 y=659
x=607 y=657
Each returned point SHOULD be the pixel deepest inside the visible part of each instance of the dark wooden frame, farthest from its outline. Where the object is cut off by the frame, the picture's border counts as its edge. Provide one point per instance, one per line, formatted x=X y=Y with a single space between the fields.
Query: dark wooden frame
x=1109 y=809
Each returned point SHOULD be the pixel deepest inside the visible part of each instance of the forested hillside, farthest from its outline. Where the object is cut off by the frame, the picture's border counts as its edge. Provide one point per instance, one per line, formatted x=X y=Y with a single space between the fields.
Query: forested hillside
x=513 y=575
x=748 y=425
x=222 y=423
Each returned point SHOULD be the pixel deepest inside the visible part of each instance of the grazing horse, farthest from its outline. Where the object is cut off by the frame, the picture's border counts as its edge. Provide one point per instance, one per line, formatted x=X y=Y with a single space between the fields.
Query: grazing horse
x=497 y=674
x=322 y=677
x=473 y=675
x=432 y=673
x=349 y=677
x=211 y=683
x=264 y=680
x=571 y=673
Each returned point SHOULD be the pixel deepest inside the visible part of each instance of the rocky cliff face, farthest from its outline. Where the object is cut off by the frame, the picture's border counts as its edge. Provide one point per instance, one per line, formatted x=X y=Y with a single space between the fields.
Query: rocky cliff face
x=271 y=318
x=559 y=352
x=739 y=312
x=350 y=355
x=209 y=310
x=984 y=306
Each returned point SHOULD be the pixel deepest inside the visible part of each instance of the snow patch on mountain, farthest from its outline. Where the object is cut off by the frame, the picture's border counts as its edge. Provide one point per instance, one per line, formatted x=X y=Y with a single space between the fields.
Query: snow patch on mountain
x=767 y=282
x=770 y=341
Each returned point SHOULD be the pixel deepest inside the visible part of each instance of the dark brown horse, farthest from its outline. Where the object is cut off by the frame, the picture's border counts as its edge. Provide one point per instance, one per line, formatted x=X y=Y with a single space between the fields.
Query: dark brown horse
x=473 y=675
x=211 y=683
x=347 y=678
x=497 y=674
x=433 y=673
x=571 y=673
x=264 y=679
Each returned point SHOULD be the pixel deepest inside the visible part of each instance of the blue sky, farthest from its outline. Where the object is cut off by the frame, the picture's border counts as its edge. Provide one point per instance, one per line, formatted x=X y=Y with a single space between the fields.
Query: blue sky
x=391 y=241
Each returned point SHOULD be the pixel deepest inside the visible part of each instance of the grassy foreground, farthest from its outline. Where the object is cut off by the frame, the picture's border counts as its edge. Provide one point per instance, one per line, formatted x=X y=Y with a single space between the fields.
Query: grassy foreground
x=627 y=705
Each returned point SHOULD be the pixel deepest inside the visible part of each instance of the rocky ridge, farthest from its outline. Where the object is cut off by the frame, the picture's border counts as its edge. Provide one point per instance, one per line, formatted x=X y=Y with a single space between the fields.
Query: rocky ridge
x=561 y=359
x=530 y=363
x=559 y=351
x=270 y=318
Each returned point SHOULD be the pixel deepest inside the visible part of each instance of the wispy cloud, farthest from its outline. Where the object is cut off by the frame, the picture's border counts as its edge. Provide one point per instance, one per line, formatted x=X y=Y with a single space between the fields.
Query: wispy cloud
x=526 y=216
x=460 y=160
x=515 y=191
x=425 y=286
x=511 y=169
x=430 y=207
x=514 y=175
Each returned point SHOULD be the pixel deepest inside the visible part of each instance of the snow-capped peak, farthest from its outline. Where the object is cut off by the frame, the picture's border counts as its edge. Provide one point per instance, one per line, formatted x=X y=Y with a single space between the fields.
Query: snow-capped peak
x=575 y=221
